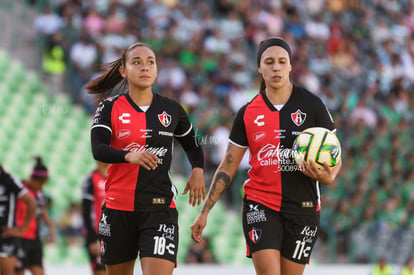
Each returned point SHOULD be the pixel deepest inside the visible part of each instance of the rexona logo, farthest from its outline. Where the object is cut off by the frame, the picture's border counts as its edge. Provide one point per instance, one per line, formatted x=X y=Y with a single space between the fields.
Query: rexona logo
x=259 y=136
x=135 y=147
x=124 y=133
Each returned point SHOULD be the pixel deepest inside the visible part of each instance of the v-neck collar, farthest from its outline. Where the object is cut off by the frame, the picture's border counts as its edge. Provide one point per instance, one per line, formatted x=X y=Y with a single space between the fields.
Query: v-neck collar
x=136 y=107
x=270 y=105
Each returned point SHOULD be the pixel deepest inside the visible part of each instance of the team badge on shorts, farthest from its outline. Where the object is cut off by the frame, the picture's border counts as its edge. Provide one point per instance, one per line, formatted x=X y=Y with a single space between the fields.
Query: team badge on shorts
x=102 y=245
x=255 y=235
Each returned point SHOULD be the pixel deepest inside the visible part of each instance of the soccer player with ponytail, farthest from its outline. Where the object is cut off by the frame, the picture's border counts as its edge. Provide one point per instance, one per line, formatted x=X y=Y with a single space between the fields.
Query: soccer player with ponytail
x=134 y=130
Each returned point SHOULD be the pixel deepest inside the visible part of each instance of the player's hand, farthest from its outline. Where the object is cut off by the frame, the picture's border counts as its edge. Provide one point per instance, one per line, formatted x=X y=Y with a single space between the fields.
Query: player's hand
x=325 y=175
x=94 y=248
x=52 y=235
x=144 y=158
x=12 y=232
x=197 y=187
x=198 y=226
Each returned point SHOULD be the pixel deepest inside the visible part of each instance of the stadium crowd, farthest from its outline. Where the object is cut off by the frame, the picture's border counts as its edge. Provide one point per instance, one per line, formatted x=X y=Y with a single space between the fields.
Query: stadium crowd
x=358 y=55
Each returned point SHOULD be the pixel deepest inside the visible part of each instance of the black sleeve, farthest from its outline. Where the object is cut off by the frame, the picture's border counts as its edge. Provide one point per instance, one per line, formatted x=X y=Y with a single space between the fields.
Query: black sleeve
x=91 y=235
x=192 y=149
x=323 y=117
x=101 y=133
x=13 y=183
x=101 y=150
x=185 y=135
x=238 y=131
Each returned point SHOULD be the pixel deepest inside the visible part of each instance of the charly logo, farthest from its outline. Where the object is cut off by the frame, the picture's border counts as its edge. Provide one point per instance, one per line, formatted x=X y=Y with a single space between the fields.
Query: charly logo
x=123 y=133
x=165 y=119
x=298 y=117
x=124 y=118
x=258 y=121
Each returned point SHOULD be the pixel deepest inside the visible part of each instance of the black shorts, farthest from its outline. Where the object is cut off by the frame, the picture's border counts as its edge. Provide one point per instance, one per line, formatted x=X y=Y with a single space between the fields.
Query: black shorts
x=29 y=253
x=8 y=247
x=293 y=235
x=124 y=234
x=95 y=260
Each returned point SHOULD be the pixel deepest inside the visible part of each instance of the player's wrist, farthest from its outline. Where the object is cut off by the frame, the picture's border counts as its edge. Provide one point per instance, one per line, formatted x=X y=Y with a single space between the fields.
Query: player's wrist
x=198 y=170
x=127 y=157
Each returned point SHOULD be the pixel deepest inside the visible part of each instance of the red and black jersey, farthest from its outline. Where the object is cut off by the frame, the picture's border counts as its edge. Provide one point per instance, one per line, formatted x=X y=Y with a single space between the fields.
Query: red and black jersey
x=274 y=179
x=130 y=187
x=11 y=188
x=93 y=196
x=32 y=231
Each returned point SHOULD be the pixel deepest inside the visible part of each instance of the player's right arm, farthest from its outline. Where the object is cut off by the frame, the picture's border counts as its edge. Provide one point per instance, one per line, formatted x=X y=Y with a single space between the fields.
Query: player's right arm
x=221 y=180
x=101 y=134
x=17 y=187
x=30 y=214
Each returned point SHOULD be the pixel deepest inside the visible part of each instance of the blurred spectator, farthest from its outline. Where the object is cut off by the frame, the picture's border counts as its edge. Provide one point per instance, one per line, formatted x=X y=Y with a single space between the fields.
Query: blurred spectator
x=54 y=63
x=71 y=225
x=93 y=23
x=216 y=42
x=317 y=29
x=171 y=75
x=84 y=58
x=408 y=268
x=364 y=113
x=382 y=267
x=47 y=22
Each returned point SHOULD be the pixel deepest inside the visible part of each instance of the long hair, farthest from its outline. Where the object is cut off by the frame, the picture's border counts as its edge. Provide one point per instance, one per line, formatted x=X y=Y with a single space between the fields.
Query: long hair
x=262 y=85
x=111 y=80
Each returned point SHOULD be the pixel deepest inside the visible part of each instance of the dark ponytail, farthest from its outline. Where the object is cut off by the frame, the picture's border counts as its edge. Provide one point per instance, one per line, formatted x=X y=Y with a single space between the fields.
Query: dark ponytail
x=39 y=170
x=108 y=83
x=104 y=84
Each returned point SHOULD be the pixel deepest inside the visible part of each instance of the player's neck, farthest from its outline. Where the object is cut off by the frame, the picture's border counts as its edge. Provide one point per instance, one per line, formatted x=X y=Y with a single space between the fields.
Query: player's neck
x=279 y=96
x=141 y=98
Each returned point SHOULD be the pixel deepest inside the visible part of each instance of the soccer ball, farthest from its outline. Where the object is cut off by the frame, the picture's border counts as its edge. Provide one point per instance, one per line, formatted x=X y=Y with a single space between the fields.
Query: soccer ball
x=318 y=144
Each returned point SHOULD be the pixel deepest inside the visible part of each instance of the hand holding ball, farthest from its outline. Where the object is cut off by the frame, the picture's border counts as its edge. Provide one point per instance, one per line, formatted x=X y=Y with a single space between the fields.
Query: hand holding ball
x=317 y=144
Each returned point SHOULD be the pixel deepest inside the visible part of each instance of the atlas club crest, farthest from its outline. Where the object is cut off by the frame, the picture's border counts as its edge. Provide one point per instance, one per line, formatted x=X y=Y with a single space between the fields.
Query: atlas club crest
x=298 y=117
x=165 y=119
x=255 y=235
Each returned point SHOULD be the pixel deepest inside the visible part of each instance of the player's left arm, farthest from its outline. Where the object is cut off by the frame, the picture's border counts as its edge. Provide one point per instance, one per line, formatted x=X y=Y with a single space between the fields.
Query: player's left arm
x=48 y=221
x=221 y=180
x=186 y=136
x=327 y=175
